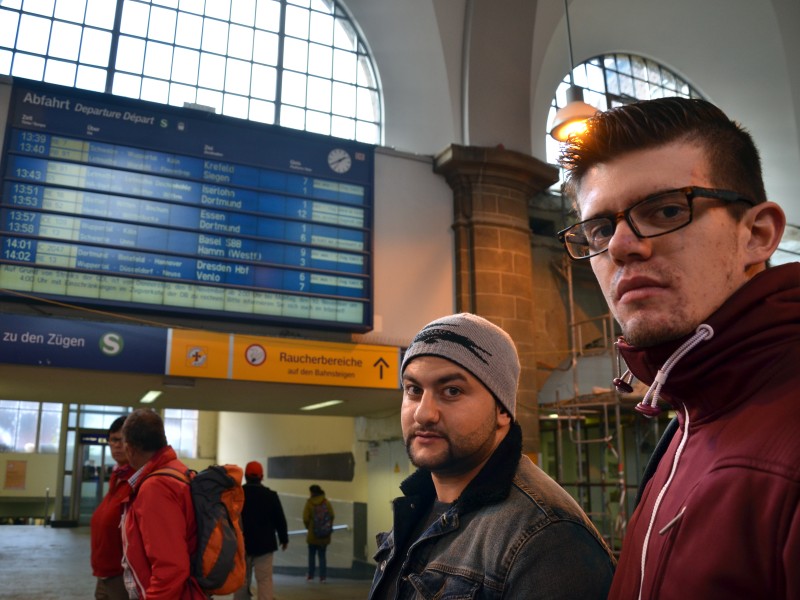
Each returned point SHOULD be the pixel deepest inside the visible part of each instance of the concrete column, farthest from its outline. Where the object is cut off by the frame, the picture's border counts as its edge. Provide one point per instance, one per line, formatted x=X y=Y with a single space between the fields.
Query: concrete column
x=494 y=279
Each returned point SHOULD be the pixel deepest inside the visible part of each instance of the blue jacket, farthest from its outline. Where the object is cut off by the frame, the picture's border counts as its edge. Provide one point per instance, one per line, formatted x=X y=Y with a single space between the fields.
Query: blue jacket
x=514 y=533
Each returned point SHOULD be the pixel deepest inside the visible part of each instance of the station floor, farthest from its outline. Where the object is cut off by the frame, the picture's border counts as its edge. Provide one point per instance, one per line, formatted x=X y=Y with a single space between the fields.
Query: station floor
x=41 y=563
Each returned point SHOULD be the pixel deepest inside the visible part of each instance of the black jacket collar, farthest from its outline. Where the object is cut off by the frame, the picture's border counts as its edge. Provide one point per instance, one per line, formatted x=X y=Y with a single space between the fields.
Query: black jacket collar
x=491 y=485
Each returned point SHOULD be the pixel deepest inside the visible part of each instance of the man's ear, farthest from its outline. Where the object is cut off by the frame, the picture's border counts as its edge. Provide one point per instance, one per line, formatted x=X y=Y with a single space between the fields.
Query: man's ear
x=764 y=223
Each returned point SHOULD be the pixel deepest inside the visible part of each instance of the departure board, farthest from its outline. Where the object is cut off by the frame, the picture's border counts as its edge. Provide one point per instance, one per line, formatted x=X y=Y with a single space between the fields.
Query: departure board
x=113 y=201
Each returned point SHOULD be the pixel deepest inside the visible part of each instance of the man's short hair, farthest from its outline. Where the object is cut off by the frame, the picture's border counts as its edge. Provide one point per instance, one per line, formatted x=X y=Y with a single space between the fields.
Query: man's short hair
x=116 y=425
x=731 y=153
x=144 y=430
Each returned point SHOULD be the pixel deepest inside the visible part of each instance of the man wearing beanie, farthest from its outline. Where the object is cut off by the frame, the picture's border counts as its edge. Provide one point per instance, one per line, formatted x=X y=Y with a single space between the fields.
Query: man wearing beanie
x=478 y=519
x=262 y=518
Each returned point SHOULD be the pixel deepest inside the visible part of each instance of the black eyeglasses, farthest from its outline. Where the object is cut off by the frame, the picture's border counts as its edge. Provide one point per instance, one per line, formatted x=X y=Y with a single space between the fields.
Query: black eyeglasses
x=656 y=215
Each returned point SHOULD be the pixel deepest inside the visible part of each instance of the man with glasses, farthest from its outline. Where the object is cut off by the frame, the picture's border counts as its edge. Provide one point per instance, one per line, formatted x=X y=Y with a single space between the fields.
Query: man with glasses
x=674 y=220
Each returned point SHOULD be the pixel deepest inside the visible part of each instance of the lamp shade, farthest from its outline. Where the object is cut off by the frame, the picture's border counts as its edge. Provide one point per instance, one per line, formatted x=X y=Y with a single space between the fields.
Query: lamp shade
x=571 y=118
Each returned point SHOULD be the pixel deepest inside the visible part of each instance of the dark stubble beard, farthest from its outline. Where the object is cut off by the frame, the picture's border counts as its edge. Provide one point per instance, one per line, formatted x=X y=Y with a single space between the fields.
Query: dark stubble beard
x=461 y=456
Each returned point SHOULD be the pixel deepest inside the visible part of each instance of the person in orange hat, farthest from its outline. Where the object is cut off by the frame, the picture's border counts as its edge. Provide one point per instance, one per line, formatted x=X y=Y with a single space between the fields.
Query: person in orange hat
x=262 y=519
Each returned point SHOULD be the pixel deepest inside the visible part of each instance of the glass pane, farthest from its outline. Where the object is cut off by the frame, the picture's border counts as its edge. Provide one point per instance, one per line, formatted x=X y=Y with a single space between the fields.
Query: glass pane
x=344 y=100
x=367 y=106
x=319 y=94
x=8 y=27
x=162 y=25
x=192 y=6
x=642 y=89
x=155 y=90
x=210 y=98
x=263 y=112
x=189 y=438
x=624 y=64
x=626 y=86
x=40 y=7
x=70 y=10
x=367 y=132
x=612 y=82
x=26 y=430
x=95 y=48
x=50 y=431
x=135 y=18
x=67 y=41
x=26 y=65
x=189 y=30
x=325 y=6
x=343 y=35
x=244 y=12
x=297 y=22
x=240 y=44
x=212 y=71
x=295 y=54
x=639 y=70
x=100 y=13
x=264 y=82
x=181 y=94
x=215 y=36
x=320 y=60
x=91 y=78
x=318 y=122
x=158 y=61
x=126 y=85
x=653 y=73
x=185 y=65
x=609 y=62
x=8 y=428
x=293 y=90
x=60 y=72
x=235 y=106
x=293 y=117
x=130 y=54
x=321 y=28
x=268 y=15
x=219 y=9
x=366 y=77
x=34 y=33
x=265 y=48
x=594 y=77
x=343 y=128
x=237 y=77
x=345 y=66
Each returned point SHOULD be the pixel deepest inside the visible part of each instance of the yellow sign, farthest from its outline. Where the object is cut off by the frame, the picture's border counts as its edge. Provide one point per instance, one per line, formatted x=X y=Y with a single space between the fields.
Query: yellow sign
x=241 y=357
x=315 y=363
x=199 y=354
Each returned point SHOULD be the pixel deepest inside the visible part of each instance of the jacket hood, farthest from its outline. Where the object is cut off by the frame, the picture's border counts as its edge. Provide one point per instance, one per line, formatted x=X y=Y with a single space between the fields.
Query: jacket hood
x=491 y=485
x=750 y=332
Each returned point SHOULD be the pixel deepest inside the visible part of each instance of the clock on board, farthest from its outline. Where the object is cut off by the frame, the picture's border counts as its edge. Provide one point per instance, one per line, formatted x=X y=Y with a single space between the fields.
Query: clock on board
x=339 y=160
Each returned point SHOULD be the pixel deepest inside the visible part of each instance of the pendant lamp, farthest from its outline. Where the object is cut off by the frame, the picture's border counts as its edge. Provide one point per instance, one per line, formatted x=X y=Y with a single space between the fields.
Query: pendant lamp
x=571 y=119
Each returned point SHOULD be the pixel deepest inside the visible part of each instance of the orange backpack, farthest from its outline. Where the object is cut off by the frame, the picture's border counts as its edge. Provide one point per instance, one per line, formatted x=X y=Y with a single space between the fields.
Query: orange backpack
x=217 y=495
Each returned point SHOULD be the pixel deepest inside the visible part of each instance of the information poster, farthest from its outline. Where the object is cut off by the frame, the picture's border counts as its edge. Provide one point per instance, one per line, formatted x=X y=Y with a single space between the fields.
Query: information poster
x=111 y=201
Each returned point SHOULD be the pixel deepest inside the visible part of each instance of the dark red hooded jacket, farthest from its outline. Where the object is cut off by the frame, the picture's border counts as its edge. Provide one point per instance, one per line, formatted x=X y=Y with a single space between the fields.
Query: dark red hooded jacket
x=728 y=525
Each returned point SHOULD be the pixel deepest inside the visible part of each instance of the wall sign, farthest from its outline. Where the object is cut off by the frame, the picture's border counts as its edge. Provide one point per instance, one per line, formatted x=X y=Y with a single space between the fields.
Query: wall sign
x=112 y=201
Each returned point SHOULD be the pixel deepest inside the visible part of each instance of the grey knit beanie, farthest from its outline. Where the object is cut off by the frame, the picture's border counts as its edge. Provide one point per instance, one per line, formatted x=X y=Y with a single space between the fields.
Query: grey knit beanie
x=477 y=345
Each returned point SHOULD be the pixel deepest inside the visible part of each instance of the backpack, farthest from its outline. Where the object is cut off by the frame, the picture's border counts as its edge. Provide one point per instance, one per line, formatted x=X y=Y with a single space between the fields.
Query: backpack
x=321 y=520
x=218 y=564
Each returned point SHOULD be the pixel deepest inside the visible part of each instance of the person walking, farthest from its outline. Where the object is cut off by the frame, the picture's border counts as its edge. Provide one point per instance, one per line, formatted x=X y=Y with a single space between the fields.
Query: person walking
x=318 y=518
x=106 y=555
x=262 y=520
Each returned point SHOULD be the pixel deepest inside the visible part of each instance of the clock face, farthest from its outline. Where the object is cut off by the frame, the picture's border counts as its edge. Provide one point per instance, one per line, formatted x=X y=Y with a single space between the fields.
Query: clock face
x=339 y=160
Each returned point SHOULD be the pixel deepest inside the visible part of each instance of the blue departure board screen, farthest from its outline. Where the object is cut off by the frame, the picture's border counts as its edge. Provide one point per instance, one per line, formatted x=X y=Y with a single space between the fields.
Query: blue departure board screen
x=113 y=201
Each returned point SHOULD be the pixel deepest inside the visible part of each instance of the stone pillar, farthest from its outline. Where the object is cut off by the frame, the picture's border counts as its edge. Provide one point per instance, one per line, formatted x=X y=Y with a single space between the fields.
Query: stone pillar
x=494 y=279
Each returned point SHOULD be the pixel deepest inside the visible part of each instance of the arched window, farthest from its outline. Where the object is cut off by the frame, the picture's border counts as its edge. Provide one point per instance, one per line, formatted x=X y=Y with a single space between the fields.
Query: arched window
x=612 y=80
x=296 y=63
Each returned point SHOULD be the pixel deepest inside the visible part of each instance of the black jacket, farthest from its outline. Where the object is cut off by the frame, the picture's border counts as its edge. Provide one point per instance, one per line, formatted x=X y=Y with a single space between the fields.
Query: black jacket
x=262 y=518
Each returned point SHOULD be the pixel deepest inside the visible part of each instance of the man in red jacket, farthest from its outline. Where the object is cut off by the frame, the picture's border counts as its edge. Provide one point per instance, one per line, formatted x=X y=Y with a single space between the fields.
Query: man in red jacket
x=674 y=219
x=159 y=534
x=105 y=534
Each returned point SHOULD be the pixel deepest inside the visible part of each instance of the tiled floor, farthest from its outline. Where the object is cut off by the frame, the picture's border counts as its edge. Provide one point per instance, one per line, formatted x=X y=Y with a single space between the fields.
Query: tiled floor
x=41 y=563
